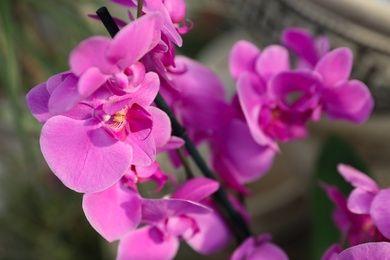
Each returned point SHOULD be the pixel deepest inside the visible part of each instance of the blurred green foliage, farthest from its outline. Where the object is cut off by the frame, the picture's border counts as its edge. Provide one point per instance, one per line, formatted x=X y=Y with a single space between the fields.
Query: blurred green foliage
x=39 y=217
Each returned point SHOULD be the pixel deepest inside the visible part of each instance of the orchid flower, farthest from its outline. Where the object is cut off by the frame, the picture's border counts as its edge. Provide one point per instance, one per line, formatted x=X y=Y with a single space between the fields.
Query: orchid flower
x=266 y=90
x=368 y=198
x=99 y=60
x=91 y=146
x=182 y=216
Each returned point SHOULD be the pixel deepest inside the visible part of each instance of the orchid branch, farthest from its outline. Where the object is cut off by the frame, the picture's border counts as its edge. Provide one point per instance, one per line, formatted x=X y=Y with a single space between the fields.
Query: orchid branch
x=241 y=228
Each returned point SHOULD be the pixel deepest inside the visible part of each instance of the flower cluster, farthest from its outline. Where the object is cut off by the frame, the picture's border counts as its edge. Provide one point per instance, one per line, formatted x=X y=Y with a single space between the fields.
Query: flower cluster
x=102 y=129
x=363 y=217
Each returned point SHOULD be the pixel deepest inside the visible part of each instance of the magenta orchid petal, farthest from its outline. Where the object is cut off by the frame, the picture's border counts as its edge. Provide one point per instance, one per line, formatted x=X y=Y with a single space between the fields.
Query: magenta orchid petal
x=65 y=96
x=357 y=178
x=37 y=101
x=134 y=40
x=349 y=100
x=139 y=119
x=55 y=80
x=371 y=251
x=360 y=200
x=251 y=107
x=178 y=226
x=335 y=66
x=273 y=59
x=174 y=142
x=243 y=165
x=162 y=129
x=196 y=189
x=259 y=248
x=176 y=9
x=144 y=153
x=332 y=252
x=241 y=251
x=113 y=212
x=145 y=95
x=243 y=58
x=267 y=251
x=300 y=83
x=168 y=28
x=213 y=234
x=90 y=81
x=380 y=212
x=145 y=244
x=91 y=53
x=147 y=171
x=84 y=157
x=301 y=42
x=155 y=210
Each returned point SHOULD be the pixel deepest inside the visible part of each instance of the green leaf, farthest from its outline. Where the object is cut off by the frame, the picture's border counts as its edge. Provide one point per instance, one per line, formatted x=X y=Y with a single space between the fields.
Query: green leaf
x=335 y=150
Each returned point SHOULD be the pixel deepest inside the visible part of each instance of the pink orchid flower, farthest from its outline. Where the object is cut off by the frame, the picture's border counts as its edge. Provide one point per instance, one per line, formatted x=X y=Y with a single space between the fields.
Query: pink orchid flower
x=259 y=248
x=91 y=146
x=115 y=62
x=371 y=251
x=368 y=198
x=277 y=103
x=181 y=216
x=355 y=228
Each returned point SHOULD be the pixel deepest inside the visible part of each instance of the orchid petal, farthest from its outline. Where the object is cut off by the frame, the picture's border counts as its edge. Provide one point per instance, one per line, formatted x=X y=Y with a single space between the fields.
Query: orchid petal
x=243 y=58
x=301 y=43
x=357 y=178
x=82 y=155
x=176 y=9
x=273 y=59
x=113 y=212
x=136 y=39
x=146 y=245
x=335 y=66
x=288 y=83
x=91 y=53
x=144 y=151
x=196 y=189
x=359 y=201
x=155 y=210
x=350 y=100
x=65 y=95
x=90 y=81
x=162 y=129
x=372 y=251
x=251 y=105
x=213 y=234
x=147 y=92
x=380 y=212
x=37 y=101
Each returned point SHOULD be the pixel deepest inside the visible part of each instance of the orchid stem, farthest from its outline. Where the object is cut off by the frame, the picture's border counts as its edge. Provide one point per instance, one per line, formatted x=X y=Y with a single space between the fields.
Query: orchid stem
x=241 y=228
x=140 y=4
x=184 y=161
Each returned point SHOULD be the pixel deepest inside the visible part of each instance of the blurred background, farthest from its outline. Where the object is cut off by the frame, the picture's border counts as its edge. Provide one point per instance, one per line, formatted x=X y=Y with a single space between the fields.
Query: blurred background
x=41 y=219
